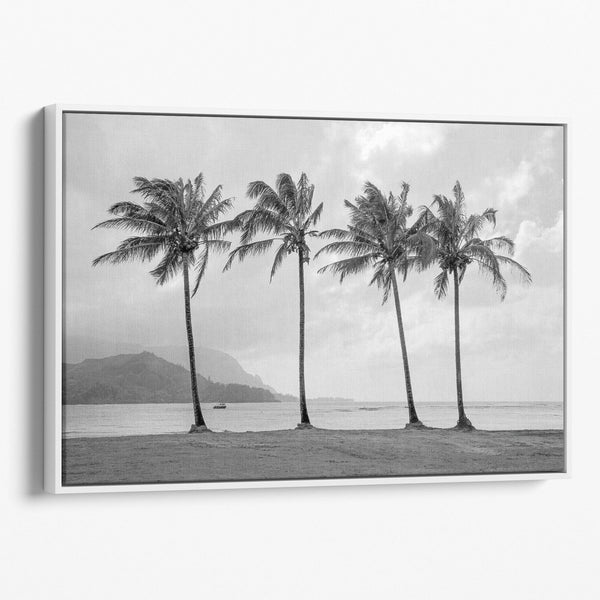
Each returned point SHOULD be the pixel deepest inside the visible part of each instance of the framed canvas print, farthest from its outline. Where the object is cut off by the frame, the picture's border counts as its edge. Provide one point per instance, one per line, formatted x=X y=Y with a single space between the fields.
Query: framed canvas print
x=300 y=299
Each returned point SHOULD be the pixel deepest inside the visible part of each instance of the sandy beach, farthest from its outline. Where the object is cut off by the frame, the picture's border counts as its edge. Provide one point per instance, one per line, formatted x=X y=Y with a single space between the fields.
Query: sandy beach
x=308 y=454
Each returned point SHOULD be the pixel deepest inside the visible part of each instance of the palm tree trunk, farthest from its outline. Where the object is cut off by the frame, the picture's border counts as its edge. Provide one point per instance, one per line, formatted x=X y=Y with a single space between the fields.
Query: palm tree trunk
x=463 y=421
x=198 y=418
x=304 y=420
x=413 y=418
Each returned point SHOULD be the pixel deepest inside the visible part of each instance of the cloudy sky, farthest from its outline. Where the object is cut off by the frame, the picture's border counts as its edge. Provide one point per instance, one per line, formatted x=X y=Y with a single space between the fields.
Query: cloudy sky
x=512 y=350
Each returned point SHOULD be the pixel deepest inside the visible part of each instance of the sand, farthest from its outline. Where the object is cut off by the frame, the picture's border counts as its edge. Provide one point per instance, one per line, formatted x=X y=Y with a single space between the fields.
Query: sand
x=315 y=453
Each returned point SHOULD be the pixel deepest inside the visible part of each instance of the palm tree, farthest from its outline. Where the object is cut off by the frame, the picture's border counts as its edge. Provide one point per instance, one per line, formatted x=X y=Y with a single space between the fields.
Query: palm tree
x=286 y=214
x=175 y=220
x=459 y=245
x=379 y=238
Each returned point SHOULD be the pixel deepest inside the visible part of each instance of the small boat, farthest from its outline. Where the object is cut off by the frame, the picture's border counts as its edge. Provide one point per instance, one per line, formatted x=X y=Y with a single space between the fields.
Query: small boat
x=220 y=405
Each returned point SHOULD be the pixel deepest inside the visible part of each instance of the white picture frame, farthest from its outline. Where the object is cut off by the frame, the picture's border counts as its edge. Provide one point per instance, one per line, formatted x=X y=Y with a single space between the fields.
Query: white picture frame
x=53 y=310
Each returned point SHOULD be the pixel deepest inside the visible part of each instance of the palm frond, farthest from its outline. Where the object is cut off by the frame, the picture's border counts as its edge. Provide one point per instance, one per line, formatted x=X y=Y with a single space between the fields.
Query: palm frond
x=219 y=230
x=498 y=280
x=143 y=248
x=378 y=236
x=501 y=243
x=350 y=247
x=142 y=224
x=475 y=223
x=249 y=249
x=336 y=234
x=287 y=192
x=204 y=212
x=440 y=284
x=488 y=265
x=489 y=214
x=314 y=217
x=266 y=197
x=283 y=212
x=459 y=244
x=349 y=266
x=201 y=264
x=514 y=266
x=168 y=266
x=199 y=187
x=423 y=247
x=445 y=209
x=281 y=253
x=174 y=219
x=163 y=196
x=459 y=199
x=127 y=209
x=366 y=235
x=304 y=196
x=262 y=220
x=215 y=245
x=408 y=263
x=426 y=220
x=382 y=276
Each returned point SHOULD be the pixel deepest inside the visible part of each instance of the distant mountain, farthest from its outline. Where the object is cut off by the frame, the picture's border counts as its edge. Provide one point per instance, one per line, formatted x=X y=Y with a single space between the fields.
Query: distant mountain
x=213 y=364
x=145 y=378
x=217 y=365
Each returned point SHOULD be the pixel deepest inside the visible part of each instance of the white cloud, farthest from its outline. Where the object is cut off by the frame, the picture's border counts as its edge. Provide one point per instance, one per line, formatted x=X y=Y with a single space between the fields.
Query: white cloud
x=404 y=138
x=511 y=187
x=517 y=185
x=548 y=145
x=532 y=235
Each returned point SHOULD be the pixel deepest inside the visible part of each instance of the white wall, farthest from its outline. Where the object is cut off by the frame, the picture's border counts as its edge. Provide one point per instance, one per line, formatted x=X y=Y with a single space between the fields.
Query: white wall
x=519 y=540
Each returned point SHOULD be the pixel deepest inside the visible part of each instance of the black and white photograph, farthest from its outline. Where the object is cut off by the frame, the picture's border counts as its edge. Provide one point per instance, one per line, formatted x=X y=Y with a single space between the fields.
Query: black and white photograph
x=265 y=298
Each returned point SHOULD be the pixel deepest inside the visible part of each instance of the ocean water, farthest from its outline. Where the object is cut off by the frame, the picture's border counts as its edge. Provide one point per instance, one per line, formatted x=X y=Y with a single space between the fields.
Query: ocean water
x=147 y=419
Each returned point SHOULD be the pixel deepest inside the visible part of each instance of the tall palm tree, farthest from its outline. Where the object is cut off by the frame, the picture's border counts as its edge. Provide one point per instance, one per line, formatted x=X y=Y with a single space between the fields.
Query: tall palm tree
x=177 y=221
x=459 y=245
x=379 y=238
x=286 y=214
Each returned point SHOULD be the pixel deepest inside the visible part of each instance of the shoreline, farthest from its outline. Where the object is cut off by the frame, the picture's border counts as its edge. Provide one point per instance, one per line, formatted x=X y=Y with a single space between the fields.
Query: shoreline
x=307 y=454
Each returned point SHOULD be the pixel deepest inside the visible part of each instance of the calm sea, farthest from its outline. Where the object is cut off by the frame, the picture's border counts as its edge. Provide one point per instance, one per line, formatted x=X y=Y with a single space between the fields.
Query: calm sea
x=146 y=419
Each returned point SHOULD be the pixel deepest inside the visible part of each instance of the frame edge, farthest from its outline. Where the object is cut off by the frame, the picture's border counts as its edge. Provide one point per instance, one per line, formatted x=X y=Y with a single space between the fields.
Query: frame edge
x=52 y=293
x=53 y=322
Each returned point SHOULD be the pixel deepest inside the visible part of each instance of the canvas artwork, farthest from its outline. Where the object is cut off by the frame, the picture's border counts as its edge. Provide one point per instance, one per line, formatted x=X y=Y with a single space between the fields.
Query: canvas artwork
x=256 y=298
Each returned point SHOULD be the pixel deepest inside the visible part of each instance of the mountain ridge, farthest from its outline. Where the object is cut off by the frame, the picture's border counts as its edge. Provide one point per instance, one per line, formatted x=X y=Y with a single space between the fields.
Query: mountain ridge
x=146 y=378
x=214 y=364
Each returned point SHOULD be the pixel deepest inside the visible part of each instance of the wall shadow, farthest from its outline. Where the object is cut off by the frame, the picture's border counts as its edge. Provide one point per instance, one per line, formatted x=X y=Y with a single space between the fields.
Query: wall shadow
x=33 y=186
